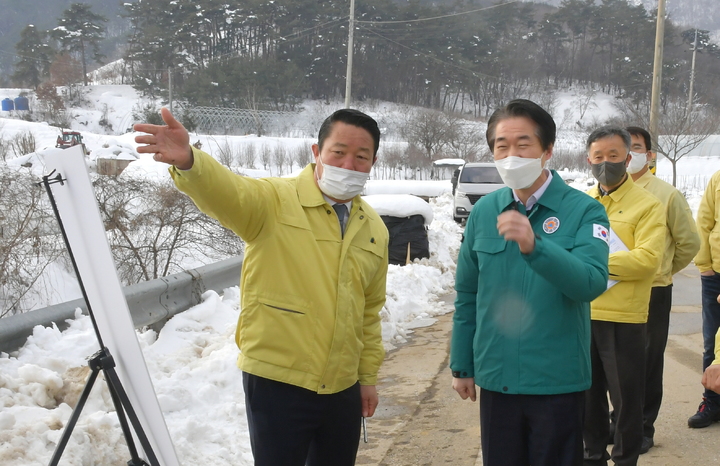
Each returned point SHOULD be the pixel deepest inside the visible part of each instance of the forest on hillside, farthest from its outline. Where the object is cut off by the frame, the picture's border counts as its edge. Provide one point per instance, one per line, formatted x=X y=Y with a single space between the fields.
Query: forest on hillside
x=466 y=57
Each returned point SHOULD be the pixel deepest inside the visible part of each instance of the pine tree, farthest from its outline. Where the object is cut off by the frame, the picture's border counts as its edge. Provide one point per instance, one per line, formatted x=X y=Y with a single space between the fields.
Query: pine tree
x=35 y=56
x=79 y=30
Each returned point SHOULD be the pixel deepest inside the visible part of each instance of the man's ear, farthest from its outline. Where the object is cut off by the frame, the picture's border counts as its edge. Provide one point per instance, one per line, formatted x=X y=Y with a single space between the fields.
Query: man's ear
x=549 y=152
x=316 y=151
x=374 y=159
x=628 y=159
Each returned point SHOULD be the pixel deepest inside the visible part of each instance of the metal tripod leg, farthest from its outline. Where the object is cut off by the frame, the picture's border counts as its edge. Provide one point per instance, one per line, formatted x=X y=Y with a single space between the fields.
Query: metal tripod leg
x=102 y=360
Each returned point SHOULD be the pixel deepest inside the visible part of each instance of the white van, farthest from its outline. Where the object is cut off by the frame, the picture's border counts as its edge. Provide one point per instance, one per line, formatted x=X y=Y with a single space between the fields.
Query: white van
x=474 y=181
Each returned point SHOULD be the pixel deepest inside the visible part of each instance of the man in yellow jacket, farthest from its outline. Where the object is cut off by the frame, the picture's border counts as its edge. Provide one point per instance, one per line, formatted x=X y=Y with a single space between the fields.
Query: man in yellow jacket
x=312 y=284
x=707 y=261
x=618 y=316
x=681 y=244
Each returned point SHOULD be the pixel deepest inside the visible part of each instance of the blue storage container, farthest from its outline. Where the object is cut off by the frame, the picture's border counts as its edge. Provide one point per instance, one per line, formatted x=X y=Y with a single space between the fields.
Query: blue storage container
x=8 y=105
x=21 y=103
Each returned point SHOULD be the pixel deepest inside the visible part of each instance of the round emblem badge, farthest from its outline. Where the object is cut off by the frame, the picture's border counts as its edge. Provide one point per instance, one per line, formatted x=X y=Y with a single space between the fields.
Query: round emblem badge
x=551 y=225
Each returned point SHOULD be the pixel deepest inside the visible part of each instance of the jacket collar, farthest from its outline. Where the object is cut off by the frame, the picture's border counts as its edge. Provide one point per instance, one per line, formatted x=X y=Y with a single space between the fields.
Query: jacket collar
x=308 y=192
x=619 y=192
x=644 y=179
x=551 y=198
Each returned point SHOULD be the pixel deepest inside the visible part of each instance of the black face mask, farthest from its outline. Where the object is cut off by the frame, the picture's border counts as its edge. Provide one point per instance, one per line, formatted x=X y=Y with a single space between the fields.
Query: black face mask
x=609 y=173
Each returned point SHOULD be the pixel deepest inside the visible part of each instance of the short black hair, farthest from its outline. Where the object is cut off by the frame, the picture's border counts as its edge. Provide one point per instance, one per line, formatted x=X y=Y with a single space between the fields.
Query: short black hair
x=638 y=131
x=606 y=132
x=353 y=117
x=523 y=108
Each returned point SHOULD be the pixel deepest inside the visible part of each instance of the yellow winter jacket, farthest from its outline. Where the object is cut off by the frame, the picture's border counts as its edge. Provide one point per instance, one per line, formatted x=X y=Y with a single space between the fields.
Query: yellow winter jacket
x=310 y=297
x=638 y=219
x=708 y=226
x=681 y=238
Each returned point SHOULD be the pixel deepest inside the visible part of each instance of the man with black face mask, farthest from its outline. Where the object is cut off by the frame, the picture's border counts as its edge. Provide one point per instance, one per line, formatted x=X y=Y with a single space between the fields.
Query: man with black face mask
x=618 y=316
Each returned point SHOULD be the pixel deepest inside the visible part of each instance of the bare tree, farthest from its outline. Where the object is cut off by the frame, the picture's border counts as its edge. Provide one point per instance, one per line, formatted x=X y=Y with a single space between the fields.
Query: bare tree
x=265 y=156
x=225 y=153
x=392 y=158
x=153 y=229
x=247 y=156
x=416 y=161
x=279 y=156
x=23 y=143
x=52 y=108
x=430 y=130
x=29 y=242
x=4 y=144
x=682 y=130
x=468 y=143
x=301 y=156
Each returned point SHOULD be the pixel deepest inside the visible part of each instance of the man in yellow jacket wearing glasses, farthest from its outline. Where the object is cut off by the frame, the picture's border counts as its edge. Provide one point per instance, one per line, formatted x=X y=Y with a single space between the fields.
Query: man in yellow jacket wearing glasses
x=312 y=285
x=681 y=244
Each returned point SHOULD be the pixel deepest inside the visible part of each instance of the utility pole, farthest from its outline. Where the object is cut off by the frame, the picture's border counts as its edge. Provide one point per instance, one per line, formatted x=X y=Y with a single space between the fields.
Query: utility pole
x=692 y=79
x=657 y=75
x=348 y=74
x=170 y=96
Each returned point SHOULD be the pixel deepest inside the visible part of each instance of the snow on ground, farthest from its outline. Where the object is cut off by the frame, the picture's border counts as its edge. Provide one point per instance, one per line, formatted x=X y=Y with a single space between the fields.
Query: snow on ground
x=192 y=364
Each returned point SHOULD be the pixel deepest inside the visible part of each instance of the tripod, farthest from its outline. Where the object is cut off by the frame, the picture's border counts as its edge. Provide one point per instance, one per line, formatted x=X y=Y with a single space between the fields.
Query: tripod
x=100 y=361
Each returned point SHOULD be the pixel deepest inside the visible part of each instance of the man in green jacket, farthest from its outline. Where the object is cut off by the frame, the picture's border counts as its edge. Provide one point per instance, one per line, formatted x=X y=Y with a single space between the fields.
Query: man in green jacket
x=533 y=257
x=681 y=244
x=312 y=284
x=637 y=245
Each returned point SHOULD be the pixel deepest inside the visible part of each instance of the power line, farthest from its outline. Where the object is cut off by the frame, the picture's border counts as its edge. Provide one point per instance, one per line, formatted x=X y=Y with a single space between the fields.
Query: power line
x=431 y=57
x=438 y=17
x=24 y=56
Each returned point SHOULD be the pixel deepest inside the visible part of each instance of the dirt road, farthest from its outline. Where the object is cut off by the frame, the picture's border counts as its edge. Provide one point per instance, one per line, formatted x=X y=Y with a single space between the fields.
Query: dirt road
x=422 y=421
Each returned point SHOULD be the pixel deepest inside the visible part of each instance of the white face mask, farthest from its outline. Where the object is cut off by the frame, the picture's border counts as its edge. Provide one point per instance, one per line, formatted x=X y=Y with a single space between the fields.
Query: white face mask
x=637 y=162
x=340 y=183
x=519 y=172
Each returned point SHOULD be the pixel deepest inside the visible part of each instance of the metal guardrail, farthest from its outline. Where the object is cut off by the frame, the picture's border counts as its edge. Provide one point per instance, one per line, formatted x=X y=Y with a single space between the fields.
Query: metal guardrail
x=151 y=303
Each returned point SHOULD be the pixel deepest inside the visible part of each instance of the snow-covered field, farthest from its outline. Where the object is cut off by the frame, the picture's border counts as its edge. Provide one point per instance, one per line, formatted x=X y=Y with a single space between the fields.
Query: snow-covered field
x=192 y=360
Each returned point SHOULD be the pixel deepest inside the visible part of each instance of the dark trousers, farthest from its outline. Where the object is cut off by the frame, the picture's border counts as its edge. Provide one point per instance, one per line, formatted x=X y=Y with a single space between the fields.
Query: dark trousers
x=542 y=430
x=657 y=335
x=710 y=324
x=292 y=426
x=618 y=367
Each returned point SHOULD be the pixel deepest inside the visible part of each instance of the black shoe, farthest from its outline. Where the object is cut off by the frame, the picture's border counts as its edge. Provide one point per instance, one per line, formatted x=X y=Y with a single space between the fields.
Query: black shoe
x=647 y=444
x=707 y=413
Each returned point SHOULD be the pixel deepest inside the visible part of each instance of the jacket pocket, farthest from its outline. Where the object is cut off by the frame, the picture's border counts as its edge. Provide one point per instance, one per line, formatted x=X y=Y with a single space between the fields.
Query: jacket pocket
x=489 y=245
x=489 y=257
x=365 y=259
x=278 y=332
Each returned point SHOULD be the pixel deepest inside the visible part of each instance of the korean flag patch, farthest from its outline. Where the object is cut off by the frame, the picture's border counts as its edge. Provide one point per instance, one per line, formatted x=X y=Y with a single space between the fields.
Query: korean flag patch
x=601 y=232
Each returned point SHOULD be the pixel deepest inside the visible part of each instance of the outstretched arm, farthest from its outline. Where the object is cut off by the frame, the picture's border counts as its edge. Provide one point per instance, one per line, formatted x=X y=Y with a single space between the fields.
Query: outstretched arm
x=170 y=142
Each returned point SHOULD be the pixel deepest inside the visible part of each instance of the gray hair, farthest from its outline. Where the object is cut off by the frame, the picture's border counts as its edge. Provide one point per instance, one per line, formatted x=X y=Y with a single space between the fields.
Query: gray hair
x=607 y=132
